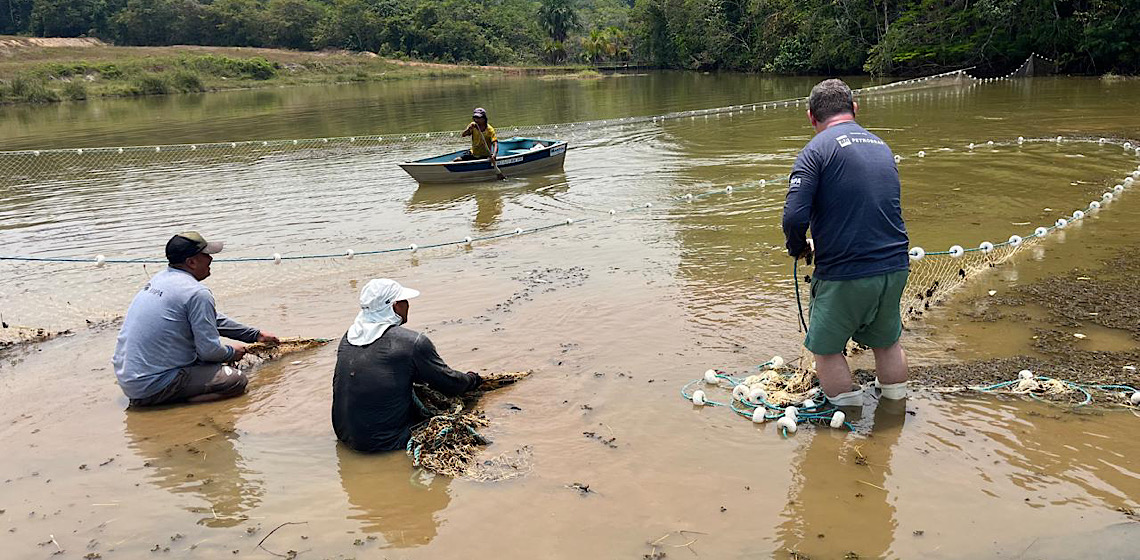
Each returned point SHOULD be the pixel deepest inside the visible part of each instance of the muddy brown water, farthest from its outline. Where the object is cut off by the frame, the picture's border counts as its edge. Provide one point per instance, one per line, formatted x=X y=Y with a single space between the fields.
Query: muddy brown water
x=614 y=315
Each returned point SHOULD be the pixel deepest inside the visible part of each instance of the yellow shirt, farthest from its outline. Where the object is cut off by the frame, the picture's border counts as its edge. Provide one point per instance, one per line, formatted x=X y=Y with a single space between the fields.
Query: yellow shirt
x=479 y=148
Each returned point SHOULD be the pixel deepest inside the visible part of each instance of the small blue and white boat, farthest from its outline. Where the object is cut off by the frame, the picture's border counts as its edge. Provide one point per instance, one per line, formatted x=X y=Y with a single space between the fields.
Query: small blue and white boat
x=516 y=156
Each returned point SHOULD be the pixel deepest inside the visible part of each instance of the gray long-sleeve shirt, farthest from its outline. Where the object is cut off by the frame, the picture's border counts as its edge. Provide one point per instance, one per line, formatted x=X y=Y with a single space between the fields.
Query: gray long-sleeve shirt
x=171 y=324
x=372 y=408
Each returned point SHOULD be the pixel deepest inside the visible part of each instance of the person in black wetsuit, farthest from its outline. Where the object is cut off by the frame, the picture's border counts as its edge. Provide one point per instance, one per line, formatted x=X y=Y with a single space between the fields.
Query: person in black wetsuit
x=377 y=362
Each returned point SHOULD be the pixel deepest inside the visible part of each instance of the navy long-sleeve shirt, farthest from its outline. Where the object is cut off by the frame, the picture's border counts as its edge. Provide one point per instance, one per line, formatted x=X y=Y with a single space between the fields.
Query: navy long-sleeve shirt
x=845 y=186
x=372 y=408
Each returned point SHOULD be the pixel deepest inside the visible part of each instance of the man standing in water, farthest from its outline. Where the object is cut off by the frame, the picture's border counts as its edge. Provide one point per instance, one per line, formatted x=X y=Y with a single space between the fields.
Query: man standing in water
x=170 y=349
x=845 y=186
x=484 y=143
x=373 y=407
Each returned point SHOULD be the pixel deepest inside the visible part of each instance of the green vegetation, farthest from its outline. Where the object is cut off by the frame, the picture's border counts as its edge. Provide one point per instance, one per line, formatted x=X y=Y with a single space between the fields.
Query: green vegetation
x=47 y=74
x=783 y=36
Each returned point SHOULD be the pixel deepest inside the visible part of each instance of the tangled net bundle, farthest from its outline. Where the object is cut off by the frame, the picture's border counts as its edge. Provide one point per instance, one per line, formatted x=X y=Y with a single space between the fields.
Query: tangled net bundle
x=449 y=442
x=261 y=352
x=1059 y=391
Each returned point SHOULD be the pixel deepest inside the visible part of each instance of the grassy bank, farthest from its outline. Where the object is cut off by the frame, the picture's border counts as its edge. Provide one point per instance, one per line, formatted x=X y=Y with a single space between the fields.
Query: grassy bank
x=43 y=71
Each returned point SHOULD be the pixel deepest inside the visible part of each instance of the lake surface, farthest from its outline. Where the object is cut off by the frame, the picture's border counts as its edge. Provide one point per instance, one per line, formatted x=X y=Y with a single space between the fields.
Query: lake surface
x=613 y=313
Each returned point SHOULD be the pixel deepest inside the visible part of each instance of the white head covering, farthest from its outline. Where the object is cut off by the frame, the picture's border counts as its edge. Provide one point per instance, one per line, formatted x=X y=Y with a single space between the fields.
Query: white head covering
x=376 y=313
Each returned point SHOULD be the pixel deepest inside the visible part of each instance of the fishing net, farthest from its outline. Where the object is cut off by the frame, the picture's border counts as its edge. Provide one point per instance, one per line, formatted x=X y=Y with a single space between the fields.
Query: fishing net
x=933 y=279
x=449 y=442
x=261 y=352
x=43 y=169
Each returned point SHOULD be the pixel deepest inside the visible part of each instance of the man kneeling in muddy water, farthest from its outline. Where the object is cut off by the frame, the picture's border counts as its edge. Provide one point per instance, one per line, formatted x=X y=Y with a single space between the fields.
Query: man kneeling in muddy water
x=845 y=186
x=170 y=349
x=377 y=362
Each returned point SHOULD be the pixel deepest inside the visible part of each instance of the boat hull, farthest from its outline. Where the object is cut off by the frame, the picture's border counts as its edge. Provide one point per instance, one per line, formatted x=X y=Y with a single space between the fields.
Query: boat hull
x=512 y=163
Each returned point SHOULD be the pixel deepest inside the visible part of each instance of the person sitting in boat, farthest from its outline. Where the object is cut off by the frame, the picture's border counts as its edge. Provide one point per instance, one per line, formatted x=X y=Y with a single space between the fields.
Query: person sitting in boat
x=169 y=349
x=377 y=361
x=484 y=143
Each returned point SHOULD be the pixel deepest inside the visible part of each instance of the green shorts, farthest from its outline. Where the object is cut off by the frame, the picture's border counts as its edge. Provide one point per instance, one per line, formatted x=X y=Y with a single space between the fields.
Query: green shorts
x=865 y=310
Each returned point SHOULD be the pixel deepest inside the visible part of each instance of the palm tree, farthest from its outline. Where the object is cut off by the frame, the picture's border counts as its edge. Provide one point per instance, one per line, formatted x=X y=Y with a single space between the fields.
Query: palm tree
x=595 y=46
x=558 y=19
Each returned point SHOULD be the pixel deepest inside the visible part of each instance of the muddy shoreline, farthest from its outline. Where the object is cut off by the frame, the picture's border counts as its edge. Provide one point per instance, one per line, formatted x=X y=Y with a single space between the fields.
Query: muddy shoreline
x=1105 y=296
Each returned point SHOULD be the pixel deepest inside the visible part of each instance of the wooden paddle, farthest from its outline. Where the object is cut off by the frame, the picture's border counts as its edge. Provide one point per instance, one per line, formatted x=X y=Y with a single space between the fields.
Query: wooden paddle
x=499 y=174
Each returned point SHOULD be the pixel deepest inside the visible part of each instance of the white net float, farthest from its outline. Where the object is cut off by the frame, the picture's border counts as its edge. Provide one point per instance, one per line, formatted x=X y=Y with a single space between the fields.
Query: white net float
x=612 y=211
x=1128 y=181
x=957 y=251
x=350 y=253
x=1020 y=139
x=688 y=197
x=787 y=424
x=1136 y=174
x=710 y=377
x=776 y=362
x=1135 y=400
x=276 y=258
x=1061 y=223
x=1107 y=197
x=740 y=392
x=763 y=182
x=758 y=415
x=790 y=412
x=986 y=247
x=921 y=153
x=808 y=403
x=898 y=158
x=728 y=189
x=990 y=143
x=518 y=231
x=699 y=397
x=1118 y=189
x=467 y=240
x=1015 y=240
x=1025 y=374
x=1041 y=231
x=100 y=260
x=1102 y=140
x=971 y=146
x=757 y=395
x=649 y=205
x=916 y=253
x=1094 y=205
x=1078 y=215
x=569 y=221
x=838 y=419
x=1060 y=139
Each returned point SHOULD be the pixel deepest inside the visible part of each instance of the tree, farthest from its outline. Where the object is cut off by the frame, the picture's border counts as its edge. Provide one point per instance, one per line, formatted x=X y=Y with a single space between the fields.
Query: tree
x=66 y=18
x=558 y=18
x=292 y=24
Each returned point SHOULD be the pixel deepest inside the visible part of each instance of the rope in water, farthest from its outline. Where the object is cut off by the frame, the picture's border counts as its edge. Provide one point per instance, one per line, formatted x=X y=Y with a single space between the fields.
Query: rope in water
x=1029 y=384
x=416 y=136
x=916 y=253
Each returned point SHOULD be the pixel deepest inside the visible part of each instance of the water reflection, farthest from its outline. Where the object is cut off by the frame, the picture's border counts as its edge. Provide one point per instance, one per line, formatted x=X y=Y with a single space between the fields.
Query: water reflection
x=387 y=496
x=192 y=450
x=489 y=198
x=839 y=501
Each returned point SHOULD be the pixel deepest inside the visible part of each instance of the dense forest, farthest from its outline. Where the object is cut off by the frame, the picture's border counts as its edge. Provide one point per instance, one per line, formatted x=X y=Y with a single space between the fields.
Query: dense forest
x=783 y=36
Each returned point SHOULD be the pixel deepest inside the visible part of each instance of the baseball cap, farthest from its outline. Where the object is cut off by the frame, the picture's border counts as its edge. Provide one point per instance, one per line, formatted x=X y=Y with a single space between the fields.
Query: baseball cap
x=190 y=243
x=479 y=112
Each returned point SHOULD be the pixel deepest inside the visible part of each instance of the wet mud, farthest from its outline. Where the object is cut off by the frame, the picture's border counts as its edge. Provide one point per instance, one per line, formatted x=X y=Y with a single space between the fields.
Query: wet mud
x=1105 y=295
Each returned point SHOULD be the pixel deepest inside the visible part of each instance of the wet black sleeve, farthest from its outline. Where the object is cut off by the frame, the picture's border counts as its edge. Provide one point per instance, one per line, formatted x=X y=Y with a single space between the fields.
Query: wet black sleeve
x=431 y=369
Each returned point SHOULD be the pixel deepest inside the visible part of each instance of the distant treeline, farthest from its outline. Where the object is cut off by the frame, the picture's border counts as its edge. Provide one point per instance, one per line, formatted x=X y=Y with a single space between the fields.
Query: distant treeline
x=783 y=36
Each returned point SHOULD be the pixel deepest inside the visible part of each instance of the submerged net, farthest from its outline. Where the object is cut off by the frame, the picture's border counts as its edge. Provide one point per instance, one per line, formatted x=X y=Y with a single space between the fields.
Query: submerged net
x=449 y=442
x=261 y=352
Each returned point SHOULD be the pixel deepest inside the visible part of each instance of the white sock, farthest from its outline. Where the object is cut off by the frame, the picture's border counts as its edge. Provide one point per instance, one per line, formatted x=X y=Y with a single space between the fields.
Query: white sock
x=850 y=398
x=894 y=391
